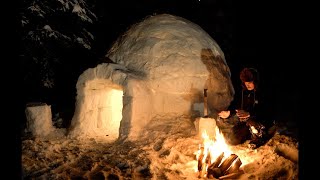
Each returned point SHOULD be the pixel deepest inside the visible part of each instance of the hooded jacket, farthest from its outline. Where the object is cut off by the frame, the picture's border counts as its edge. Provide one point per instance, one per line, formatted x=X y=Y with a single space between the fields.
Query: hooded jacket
x=256 y=103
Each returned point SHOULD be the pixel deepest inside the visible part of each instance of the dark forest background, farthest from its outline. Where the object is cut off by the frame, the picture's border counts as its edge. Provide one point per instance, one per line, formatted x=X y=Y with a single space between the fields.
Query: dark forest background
x=58 y=42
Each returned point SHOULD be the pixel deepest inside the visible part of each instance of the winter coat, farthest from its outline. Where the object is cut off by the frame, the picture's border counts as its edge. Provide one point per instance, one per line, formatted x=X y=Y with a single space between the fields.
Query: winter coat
x=254 y=102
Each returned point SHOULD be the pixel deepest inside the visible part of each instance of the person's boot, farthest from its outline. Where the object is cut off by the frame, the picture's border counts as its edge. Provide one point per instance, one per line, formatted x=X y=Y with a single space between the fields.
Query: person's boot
x=256 y=142
x=257 y=135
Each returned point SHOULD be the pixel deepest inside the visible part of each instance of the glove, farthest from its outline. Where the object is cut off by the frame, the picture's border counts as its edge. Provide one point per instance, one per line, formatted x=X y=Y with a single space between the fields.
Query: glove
x=243 y=115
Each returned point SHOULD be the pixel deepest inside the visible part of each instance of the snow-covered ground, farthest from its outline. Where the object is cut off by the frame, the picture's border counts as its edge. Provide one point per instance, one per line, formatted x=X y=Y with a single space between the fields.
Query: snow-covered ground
x=165 y=151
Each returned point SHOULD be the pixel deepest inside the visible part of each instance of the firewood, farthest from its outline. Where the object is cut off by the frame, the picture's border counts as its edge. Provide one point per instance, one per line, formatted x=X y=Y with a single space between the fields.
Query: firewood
x=234 y=166
x=213 y=170
x=200 y=159
x=214 y=173
x=227 y=162
x=216 y=163
x=208 y=160
x=234 y=175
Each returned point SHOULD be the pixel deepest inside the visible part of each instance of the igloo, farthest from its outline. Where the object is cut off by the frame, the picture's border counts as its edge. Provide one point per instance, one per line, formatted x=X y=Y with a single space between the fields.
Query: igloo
x=162 y=65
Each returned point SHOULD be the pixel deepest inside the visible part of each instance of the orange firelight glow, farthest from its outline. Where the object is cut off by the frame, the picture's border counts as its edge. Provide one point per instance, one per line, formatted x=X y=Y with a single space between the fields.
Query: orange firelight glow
x=212 y=148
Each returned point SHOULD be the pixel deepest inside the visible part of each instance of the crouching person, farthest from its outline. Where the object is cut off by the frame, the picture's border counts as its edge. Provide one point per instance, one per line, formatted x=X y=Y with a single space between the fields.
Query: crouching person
x=253 y=113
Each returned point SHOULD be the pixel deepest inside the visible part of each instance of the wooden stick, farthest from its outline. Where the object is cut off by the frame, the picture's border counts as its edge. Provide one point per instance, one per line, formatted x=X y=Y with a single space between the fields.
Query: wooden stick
x=232 y=175
x=213 y=170
x=200 y=159
x=205 y=103
x=227 y=162
x=234 y=166
x=217 y=161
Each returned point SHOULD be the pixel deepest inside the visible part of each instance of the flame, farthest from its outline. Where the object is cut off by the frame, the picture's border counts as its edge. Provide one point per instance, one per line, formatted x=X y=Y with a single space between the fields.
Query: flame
x=212 y=148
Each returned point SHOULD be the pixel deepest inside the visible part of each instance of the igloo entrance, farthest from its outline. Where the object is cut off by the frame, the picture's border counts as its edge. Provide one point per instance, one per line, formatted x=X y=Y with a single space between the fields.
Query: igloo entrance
x=99 y=103
x=106 y=107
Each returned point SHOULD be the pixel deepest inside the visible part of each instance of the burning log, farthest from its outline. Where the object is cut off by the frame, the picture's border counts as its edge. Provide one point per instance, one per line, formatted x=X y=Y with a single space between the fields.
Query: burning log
x=213 y=170
x=229 y=168
x=216 y=163
x=200 y=159
x=214 y=173
x=203 y=163
x=227 y=162
x=234 y=167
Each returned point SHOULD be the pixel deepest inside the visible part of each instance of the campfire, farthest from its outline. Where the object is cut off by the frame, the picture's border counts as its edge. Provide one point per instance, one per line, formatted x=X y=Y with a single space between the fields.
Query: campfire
x=215 y=159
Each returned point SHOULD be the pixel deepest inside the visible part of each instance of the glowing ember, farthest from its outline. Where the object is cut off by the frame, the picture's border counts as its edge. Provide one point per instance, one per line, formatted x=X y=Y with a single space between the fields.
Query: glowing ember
x=215 y=158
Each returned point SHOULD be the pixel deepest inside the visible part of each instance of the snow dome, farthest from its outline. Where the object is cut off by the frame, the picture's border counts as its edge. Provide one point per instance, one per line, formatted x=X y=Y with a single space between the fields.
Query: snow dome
x=161 y=67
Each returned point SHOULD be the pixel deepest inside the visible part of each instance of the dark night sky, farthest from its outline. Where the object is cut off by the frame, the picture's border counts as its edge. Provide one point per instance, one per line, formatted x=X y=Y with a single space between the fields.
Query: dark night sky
x=257 y=34
x=250 y=33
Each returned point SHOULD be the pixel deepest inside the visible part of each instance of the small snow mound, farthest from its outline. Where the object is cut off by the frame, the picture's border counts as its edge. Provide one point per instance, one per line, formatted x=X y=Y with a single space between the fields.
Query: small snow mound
x=287 y=152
